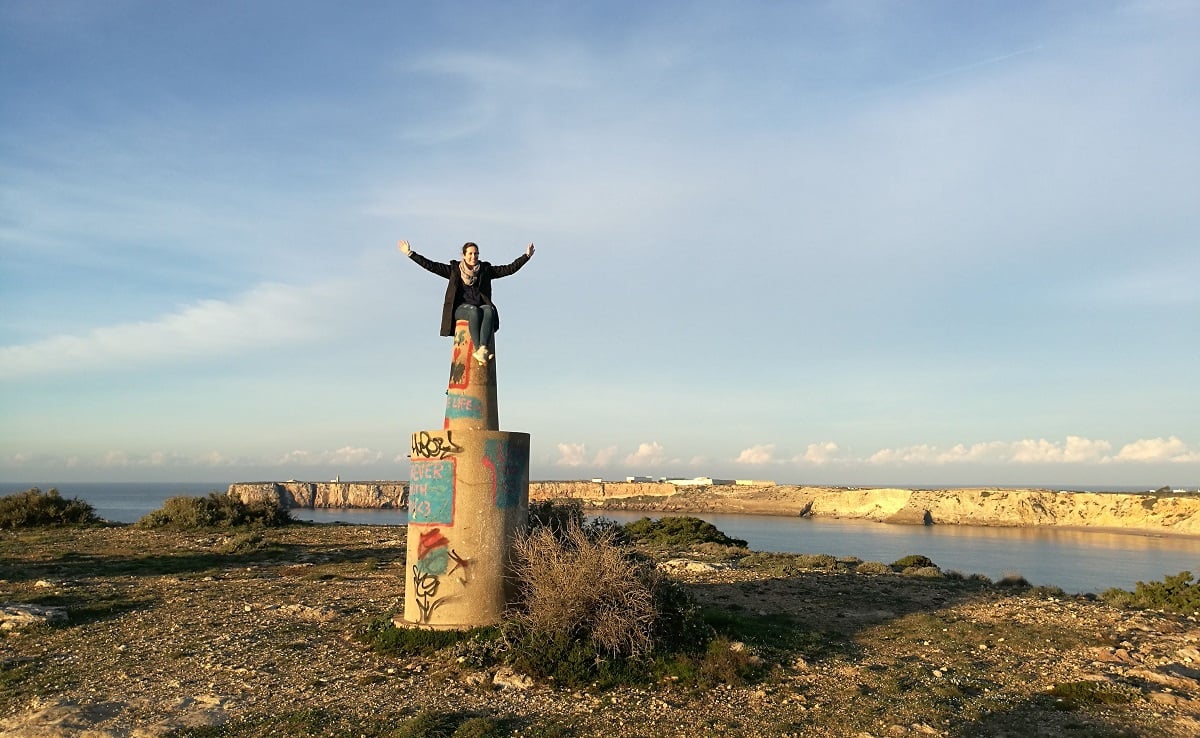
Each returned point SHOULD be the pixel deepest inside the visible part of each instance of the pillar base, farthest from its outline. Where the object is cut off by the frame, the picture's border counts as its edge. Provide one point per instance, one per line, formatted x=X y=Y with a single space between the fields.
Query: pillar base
x=468 y=500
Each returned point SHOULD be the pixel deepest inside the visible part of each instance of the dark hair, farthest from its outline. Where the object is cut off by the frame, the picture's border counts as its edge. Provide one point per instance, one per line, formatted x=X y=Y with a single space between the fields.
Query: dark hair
x=468 y=245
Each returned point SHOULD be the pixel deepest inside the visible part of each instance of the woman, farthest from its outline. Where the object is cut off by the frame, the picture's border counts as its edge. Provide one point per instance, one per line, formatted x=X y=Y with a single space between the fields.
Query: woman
x=469 y=293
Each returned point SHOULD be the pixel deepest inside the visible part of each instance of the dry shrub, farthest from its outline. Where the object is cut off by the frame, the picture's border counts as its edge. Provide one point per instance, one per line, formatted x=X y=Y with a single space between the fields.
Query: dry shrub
x=588 y=587
x=873 y=567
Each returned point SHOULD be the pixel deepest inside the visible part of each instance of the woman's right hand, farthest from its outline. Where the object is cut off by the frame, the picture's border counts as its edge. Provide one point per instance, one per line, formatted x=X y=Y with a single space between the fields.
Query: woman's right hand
x=406 y=248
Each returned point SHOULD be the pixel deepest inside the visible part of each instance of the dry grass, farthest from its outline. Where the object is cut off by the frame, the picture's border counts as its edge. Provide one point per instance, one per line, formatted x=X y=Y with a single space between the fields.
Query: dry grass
x=589 y=586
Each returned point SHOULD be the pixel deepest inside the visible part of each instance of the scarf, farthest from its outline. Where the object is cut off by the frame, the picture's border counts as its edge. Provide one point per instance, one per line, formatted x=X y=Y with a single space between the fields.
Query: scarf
x=469 y=275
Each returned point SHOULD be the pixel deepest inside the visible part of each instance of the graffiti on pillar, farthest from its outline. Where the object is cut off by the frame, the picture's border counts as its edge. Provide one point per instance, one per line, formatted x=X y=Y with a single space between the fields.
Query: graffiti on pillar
x=425 y=445
x=460 y=366
x=431 y=492
x=463 y=406
x=435 y=559
x=507 y=471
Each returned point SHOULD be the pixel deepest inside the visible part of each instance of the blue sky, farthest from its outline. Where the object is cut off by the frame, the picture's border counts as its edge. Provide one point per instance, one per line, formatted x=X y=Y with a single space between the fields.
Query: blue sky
x=817 y=242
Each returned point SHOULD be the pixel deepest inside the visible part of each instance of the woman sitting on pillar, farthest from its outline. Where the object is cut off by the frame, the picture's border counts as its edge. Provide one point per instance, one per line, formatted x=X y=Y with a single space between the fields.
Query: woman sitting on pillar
x=469 y=293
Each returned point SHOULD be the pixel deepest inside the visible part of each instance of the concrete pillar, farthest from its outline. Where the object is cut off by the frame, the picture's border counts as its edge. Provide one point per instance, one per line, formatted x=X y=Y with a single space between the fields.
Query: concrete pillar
x=471 y=393
x=468 y=499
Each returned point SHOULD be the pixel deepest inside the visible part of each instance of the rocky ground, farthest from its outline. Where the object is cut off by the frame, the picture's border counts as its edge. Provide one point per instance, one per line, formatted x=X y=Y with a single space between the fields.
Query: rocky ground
x=168 y=632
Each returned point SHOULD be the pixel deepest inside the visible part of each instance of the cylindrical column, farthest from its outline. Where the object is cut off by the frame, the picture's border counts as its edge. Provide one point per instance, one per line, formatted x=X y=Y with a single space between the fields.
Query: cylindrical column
x=471 y=394
x=468 y=499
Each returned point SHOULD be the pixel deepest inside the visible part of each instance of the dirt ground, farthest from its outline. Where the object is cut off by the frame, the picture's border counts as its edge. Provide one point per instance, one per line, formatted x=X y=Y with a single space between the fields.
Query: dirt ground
x=170 y=632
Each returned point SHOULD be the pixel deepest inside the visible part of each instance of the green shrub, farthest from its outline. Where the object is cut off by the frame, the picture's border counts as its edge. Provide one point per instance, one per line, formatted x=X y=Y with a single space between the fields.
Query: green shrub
x=907 y=562
x=677 y=532
x=1177 y=593
x=1012 y=580
x=33 y=508
x=215 y=511
x=556 y=515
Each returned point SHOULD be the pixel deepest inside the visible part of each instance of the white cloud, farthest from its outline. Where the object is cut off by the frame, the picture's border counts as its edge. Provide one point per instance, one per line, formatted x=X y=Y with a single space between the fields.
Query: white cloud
x=266 y=316
x=571 y=454
x=818 y=453
x=1075 y=450
x=605 y=456
x=346 y=456
x=576 y=454
x=761 y=454
x=1157 y=449
x=648 y=454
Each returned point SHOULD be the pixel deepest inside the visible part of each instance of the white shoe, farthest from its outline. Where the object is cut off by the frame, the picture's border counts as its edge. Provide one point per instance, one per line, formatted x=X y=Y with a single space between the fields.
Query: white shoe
x=481 y=355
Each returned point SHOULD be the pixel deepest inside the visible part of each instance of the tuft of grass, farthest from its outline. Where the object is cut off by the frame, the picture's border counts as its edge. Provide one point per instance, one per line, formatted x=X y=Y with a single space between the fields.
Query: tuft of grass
x=1073 y=695
x=775 y=633
x=34 y=508
x=244 y=543
x=928 y=572
x=873 y=567
x=215 y=511
x=383 y=637
x=785 y=564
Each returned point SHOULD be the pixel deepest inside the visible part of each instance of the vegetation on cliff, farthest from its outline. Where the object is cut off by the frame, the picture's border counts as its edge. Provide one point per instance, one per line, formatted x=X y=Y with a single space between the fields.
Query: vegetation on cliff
x=215 y=511
x=34 y=508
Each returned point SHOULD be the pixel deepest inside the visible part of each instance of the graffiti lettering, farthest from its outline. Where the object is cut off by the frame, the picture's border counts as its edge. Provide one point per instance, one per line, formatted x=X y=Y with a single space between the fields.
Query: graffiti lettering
x=431 y=492
x=463 y=406
x=428 y=446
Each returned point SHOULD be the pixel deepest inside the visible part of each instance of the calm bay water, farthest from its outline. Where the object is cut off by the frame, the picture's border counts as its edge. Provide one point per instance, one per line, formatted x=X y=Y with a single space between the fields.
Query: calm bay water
x=1077 y=561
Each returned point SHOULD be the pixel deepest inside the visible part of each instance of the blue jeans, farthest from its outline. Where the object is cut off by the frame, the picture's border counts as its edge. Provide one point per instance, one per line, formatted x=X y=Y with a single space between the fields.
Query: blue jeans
x=481 y=319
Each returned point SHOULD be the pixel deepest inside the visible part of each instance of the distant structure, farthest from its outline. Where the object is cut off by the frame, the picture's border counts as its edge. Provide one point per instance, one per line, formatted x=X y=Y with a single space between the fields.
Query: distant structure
x=468 y=499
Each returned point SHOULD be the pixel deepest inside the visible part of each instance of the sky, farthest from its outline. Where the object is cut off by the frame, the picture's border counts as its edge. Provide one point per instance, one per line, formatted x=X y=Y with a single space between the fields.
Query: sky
x=843 y=243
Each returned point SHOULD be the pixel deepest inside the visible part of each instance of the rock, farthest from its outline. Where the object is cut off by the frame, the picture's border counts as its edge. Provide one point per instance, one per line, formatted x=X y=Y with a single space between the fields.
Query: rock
x=188 y=712
x=476 y=679
x=59 y=718
x=312 y=614
x=15 y=616
x=692 y=566
x=506 y=677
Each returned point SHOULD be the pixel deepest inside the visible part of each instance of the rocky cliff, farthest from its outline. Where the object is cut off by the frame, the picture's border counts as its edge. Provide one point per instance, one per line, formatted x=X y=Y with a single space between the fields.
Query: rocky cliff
x=1146 y=513
x=325 y=494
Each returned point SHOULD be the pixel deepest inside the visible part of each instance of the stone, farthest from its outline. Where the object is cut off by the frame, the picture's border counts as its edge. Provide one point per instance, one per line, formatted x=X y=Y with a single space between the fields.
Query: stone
x=320 y=614
x=507 y=678
x=692 y=566
x=16 y=616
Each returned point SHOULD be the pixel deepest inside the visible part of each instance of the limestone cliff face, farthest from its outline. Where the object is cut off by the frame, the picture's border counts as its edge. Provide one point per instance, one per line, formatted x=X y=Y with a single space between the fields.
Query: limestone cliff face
x=372 y=495
x=991 y=507
x=1145 y=513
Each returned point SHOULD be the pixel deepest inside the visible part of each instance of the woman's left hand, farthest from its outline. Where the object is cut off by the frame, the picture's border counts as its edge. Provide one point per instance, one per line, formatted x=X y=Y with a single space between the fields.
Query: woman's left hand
x=529 y=250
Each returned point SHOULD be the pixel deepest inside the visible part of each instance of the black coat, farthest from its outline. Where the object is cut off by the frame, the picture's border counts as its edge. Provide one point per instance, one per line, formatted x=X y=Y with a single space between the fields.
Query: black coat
x=487 y=272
